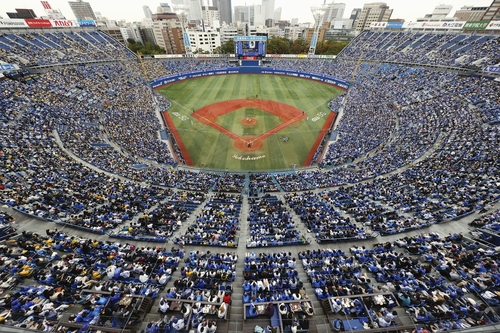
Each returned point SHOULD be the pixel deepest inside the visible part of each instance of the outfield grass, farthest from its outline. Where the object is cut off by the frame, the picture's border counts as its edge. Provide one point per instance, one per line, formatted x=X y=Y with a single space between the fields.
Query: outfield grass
x=209 y=148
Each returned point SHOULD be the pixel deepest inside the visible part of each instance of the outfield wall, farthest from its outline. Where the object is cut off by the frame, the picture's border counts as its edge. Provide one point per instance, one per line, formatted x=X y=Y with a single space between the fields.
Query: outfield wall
x=157 y=83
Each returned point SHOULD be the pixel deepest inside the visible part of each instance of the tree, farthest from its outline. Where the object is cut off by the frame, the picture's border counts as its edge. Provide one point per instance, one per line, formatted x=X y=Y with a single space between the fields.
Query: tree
x=330 y=47
x=226 y=48
x=277 y=45
x=200 y=51
x=299 y=46
x=147 y=48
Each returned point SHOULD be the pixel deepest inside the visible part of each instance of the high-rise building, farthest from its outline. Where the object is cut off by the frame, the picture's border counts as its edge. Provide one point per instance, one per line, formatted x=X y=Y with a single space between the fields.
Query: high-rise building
x=277 y=14
x=493 y=13
x=373 y=12
x=147 y=12
x=225 y=10
x=268 y=9
x=52 y=14
x=258 y=15
x=356 y=12
x=470 y=13
x=168 y=33
x=82 y=10
x=195 y=14
x=210 y=16
x=244 y=14
x=334 y=11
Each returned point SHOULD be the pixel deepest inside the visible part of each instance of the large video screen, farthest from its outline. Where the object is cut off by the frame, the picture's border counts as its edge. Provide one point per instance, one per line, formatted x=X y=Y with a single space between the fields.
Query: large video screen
x=250 y=47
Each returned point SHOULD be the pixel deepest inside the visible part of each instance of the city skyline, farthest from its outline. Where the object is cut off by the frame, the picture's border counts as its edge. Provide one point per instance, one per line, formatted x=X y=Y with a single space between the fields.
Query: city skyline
x=132 y=10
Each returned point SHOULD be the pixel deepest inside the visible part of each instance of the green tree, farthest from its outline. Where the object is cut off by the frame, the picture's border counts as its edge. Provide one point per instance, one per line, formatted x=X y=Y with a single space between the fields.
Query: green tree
x=277 y=45
x=145 y=49
x=226 y=48
x=330 y=47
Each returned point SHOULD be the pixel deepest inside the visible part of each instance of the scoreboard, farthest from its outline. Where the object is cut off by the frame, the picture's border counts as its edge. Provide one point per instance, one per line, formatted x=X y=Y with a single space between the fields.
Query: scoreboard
x=250 y=47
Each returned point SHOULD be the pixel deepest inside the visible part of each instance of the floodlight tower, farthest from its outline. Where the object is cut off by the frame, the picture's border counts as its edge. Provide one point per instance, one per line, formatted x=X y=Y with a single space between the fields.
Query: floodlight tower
x=182 y=12
x=318 y=14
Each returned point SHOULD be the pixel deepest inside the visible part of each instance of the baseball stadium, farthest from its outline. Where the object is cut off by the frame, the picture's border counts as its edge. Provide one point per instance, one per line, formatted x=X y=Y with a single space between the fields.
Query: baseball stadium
x=250 y=192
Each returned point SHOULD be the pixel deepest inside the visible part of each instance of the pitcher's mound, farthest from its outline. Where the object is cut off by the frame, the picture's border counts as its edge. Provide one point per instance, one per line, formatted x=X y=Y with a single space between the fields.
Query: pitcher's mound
x=248 y=121
x=248 y=143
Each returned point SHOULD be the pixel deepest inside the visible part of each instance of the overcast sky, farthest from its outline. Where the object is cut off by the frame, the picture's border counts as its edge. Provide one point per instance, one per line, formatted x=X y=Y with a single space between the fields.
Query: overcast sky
x=131 y=10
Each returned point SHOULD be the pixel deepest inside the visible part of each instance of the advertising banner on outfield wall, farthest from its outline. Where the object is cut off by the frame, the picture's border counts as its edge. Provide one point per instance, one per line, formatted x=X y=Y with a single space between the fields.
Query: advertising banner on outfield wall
x=14 y=23
x=394 y=25
x=304 y=75
x=378 y=25
x=37 y=23
x=476 y=25
x=493 y=25
x=64 y=23
x=456 y=25
x=86 y=23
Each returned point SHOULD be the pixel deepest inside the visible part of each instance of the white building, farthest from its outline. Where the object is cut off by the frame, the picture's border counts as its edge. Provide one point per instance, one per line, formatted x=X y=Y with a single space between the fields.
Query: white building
x=268 y=9
x=293 y=32
x=334 y=11
x=211 y=16
x=147 y=12
x=440 y=13
x=277 y=14
x=258 y=15
x=207 y=41
x=342 y=24
x=195 y=12
x=227 y=33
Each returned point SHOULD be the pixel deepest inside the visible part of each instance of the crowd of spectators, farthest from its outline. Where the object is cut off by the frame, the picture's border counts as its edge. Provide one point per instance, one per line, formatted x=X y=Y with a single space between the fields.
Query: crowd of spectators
x=435 y=280
x=217 y=223
x=271 y=224
x=164 y=219
x=425 y=48
x=393 y=116
x=70 y=271
x=47 y=48
x=272 y=277
x=322 y=219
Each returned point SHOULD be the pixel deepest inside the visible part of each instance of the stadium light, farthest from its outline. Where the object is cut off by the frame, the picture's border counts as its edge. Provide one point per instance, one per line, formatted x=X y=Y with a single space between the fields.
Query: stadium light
x=182 y=12
x=318 y=14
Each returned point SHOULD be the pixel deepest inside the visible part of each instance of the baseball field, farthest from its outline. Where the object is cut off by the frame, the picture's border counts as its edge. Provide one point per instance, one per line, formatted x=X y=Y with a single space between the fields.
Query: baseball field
x=249 y=122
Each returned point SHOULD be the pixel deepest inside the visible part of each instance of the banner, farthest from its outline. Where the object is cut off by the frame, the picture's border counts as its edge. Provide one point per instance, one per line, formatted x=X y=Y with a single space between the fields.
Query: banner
x=492 y=69
x=476 y=25
x=64 y=23
x=432 y=25
x=236 y=70
x=411 y=25
x=8 y=67
x=457 y=25
x=250 y=38
x=86 y=23
x=454 y=25
x=378 y=24
x=394 y=25
x=494 y=25
x=36 y=23
x=14 y=23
